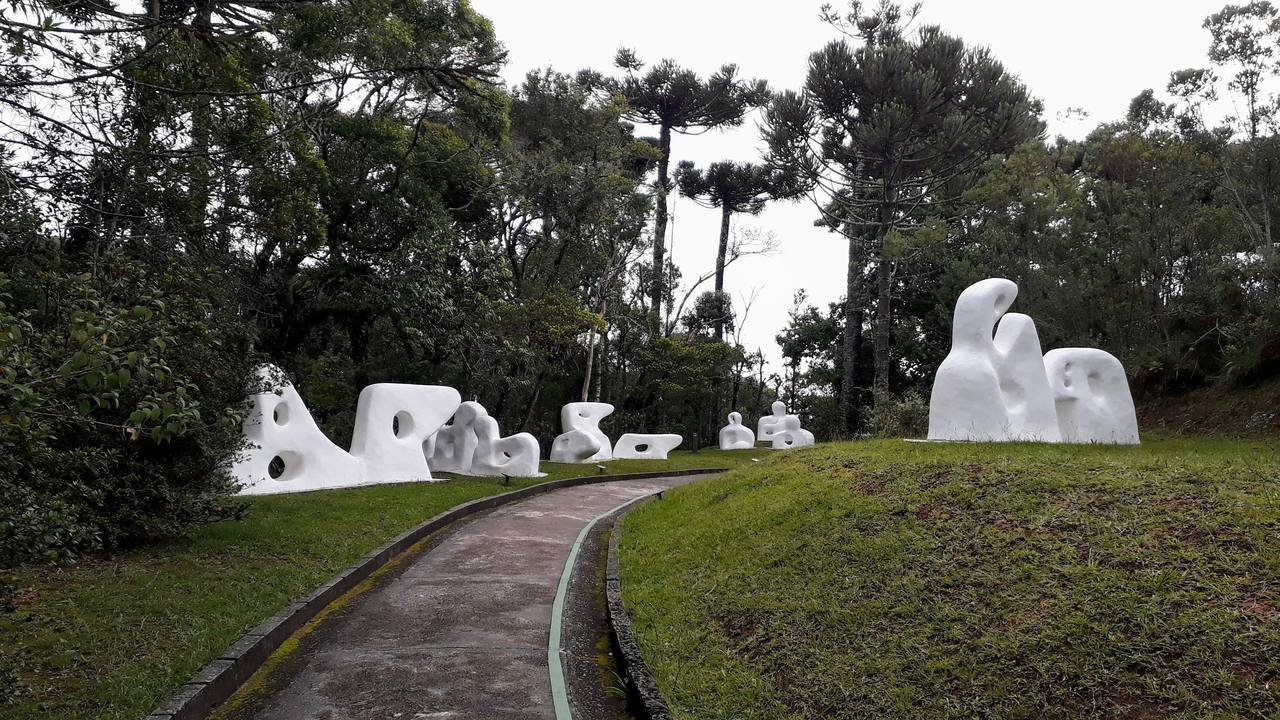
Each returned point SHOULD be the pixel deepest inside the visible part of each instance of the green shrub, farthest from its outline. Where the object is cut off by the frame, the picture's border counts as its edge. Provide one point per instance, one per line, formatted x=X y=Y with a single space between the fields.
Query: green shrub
x=906 y=415
x=121 y=393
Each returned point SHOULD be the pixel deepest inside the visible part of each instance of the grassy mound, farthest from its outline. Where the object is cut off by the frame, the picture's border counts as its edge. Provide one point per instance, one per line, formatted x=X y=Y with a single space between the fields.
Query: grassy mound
x=895 y=580
x=111 y=637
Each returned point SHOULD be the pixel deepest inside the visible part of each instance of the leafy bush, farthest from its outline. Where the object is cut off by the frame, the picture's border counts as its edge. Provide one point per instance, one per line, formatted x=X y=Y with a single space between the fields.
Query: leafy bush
x=122 y=390
x=906 y=415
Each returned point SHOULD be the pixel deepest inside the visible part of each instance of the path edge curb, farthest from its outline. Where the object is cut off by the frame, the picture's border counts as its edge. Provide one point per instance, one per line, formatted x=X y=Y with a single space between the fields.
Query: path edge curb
x=642 y=690
x=220 y=679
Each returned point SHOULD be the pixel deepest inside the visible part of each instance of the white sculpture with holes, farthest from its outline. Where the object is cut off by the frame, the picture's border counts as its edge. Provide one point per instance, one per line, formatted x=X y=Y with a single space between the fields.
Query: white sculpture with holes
x=791 y=435
x=582 y=440
x=289 y=453
x=1001 y=389
x=516 y=455
x=770 y=424
x=636 y=446
x=1092 y=398
x=454 y=445
x=992 y=389
x=735 y=435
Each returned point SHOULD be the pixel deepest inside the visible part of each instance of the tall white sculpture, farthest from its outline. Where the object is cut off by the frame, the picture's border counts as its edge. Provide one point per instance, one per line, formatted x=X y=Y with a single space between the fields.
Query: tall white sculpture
x=580 y=422
x=735 y=435
x=454 y=446
x=289 y=452
x=516 y=455
x=791 y=435
x=770 y=424
x=992 y=389
x=1092 y=397
x=635 y=446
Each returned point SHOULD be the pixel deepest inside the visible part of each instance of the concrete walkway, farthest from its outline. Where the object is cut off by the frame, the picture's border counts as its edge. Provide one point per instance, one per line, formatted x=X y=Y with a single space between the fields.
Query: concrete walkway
x=461 y=631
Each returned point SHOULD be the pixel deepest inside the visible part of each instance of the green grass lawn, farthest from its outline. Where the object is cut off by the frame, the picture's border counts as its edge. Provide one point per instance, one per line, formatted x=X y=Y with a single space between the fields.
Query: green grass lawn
x=113 y=637
x=894 y=580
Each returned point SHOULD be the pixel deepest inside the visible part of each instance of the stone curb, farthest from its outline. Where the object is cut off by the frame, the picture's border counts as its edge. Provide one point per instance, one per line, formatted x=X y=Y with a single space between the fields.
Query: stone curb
x=645 y=698
x=220 y=679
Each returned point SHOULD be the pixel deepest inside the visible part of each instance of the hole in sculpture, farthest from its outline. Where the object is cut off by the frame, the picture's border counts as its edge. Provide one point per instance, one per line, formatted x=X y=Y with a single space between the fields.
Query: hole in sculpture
x=402 y=424
x=281 y=414
x=276 y=467
x=642 y=447
x=506 y=456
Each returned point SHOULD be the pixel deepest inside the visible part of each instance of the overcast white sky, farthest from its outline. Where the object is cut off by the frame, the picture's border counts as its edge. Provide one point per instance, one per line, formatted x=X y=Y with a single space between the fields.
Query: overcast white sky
x=1090 y=54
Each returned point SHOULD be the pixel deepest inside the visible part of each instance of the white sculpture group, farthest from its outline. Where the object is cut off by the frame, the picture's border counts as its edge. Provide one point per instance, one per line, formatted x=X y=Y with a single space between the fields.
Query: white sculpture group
x=995 y=386
x=781 y=430
x=400 y=436
x=582 y=440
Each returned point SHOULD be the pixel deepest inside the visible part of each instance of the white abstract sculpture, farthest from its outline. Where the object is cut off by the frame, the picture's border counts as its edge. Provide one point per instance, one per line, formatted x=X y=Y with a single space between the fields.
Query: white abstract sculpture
x=770 y=424
x=989 y=389
x=516 y=455
x=454 y=446
x=635 y=446
x=735 y=435
x=289 y=452
x=1092 y=397
x=791 y=435
x=580 y=422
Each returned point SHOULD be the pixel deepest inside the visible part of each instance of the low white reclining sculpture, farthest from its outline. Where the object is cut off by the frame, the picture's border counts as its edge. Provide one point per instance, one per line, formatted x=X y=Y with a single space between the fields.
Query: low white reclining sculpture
x=392 y=422
x=735 y=435
x=635 y=446
x=455 y=444
x=1002 y=389
x=1092 y=397
x=791 y=435
x=472 y=445
x=582 y=440
x=770 y=424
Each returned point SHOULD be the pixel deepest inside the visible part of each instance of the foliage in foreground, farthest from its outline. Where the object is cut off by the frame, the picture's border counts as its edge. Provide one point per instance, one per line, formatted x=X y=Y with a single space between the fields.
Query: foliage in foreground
x=889 y=580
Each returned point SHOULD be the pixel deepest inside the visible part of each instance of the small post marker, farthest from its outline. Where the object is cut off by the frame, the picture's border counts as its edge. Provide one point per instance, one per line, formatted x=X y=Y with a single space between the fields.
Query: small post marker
x=600 y=469
x=506 y=479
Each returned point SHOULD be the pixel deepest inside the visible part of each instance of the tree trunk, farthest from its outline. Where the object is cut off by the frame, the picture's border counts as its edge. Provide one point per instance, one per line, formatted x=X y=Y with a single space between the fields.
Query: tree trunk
x=591 y=353
x=883 y=327
x=852 y=340
x=725 y=213
x=658 y=287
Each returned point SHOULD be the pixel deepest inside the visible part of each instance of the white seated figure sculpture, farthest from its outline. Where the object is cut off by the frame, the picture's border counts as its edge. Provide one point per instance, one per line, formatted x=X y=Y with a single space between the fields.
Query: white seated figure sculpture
x=635 y=446
x=393 y=420
x=454 y=445
x=1091 y=393
x=770 y=424
x=992 y=390
x=580 y=422
x=516 y=455
x=735 y=435
x=791 y=435
x=289 y=452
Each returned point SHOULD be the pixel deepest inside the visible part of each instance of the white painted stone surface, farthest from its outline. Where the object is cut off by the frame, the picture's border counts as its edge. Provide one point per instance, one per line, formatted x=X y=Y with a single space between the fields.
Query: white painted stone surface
x=770 y=424
x=992 y=389
x=791 y=435
x=516 y=455
x=454 y=446
x=584 y=418
x=393 y=421
x=735 y=435
x=1092 y=398
x=637 y=446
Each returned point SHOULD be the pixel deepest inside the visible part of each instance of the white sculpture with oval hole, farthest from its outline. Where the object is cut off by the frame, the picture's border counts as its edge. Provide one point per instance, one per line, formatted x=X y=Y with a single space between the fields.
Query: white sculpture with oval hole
x=770 y=424
x=392 y=422
x=516 y=455
x=735 y=435
x=791 y=435
x=580 y=422
x=1092 y=397
x=637 y=446
x=992 y=389
x=454 y=446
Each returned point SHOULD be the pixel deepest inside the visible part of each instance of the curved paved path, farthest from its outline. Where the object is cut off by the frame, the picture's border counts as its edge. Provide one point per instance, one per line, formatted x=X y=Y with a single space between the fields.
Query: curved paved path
x=462 y=630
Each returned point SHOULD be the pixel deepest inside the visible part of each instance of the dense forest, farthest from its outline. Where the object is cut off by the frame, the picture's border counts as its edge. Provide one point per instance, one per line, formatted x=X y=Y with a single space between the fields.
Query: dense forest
x=194 y=188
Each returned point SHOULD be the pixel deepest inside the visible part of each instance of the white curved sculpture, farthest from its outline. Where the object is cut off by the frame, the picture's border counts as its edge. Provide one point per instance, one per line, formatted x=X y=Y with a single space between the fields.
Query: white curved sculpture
x=735 y=435
x=583 y=418
x=987 y=389
x=289 y=452
x=636 y=446
x=770 y=424
x=791 y=435
x=1092 y=397
x=454 y=446
x=516 y=455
